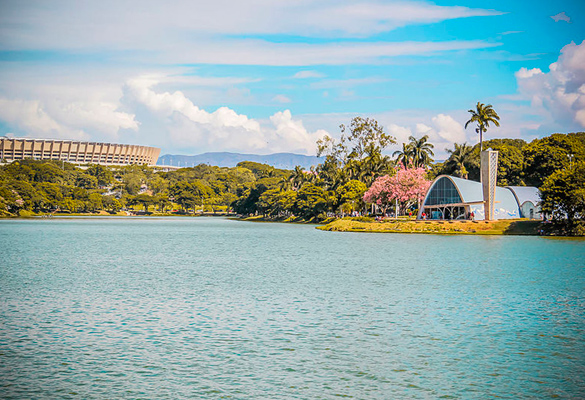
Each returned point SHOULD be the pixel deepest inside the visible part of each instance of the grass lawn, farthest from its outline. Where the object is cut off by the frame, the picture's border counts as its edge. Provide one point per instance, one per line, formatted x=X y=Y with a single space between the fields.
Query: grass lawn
x=501 y=227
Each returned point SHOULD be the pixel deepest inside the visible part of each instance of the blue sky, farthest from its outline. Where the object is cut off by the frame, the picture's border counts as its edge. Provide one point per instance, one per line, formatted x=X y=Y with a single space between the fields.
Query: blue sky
x=269 y=76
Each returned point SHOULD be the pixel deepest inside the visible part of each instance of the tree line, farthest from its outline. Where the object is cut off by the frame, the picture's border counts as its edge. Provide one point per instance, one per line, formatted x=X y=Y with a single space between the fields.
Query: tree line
x=356 y=173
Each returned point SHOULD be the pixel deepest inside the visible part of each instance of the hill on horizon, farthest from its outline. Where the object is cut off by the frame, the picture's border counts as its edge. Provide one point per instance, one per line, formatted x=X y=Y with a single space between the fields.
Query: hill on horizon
x=226 y=159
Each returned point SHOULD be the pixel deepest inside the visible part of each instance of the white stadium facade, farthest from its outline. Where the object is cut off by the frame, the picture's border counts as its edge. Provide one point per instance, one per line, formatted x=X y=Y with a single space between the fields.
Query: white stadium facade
x=76 y=152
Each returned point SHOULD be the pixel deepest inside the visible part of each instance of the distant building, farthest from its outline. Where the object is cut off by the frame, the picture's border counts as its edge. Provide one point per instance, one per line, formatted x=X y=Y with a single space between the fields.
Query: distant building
x=77 y=152
x=455 y=198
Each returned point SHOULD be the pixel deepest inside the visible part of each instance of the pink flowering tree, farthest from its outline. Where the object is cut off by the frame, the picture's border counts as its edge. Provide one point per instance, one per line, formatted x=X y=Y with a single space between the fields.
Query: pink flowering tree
x=379 y=193
x=406 y=187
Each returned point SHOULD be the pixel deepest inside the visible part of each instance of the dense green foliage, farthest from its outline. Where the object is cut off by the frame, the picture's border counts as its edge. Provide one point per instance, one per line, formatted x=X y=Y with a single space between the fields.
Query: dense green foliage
x=543 y=157
x=554 y=163
x=519 y=163
x=563 y=197
x=417 y=153
x=48 y=186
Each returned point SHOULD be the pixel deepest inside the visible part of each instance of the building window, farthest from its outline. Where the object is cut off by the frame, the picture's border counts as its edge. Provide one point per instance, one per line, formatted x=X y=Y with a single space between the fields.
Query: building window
x=443 y=192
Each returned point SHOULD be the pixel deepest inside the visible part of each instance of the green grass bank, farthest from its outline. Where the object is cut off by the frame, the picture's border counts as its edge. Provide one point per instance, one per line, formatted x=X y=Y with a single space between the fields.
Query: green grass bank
x=501 y=227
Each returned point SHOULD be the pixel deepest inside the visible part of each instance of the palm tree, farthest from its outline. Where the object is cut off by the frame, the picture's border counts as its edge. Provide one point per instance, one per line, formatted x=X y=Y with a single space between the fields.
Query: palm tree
x=483 y=115
x=285 y=184
x=297 y=177
x=459 y=156
x=374 y=166
x=421 y=151
x=403 y=156
x=354 y=169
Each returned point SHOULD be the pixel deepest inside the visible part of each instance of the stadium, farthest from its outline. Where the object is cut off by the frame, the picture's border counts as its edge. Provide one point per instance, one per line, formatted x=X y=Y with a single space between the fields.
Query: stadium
x=76 y=152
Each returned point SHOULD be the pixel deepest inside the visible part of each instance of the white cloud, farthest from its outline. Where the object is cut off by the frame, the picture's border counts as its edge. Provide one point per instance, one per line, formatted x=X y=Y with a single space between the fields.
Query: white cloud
x=346 y=83
x=192 y=129
x=524 y=73
x=30 y=117
x=156 y=25
x=443 y=129
x=145 y=111
x=207 y=81
x=423 y=129
x=290 y=134
x=559 y=93
x=307 y=75
x=166 y=104
x=561 y=17
x=280 y=98
x=260 y=52
x=65 y=120
x=99 y=117
x=199 y=32
x=400 y=133
x=449 y=129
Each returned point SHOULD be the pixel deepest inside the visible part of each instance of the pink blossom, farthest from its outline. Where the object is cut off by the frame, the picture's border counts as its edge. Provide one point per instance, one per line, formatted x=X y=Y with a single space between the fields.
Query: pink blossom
x=406 y=185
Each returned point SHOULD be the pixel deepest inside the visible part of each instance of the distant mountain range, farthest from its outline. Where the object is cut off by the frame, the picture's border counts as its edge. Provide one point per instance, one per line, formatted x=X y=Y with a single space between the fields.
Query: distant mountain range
x=224 y=159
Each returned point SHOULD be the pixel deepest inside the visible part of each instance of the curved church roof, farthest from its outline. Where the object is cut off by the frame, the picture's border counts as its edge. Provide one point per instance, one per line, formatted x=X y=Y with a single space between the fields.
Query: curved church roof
x=470 y=191
x=447 y=190
x=525 y=193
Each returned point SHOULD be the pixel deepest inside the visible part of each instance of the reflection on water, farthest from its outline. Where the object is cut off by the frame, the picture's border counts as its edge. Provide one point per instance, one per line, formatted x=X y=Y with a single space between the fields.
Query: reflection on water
x=212 y=308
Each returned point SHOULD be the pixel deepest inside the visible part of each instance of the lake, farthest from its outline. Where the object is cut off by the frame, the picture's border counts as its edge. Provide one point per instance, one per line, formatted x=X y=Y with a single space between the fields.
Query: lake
x=167 y=308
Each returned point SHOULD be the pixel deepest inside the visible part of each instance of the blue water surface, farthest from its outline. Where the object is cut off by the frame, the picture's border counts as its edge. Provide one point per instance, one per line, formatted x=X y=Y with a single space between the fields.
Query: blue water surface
x=168 y=308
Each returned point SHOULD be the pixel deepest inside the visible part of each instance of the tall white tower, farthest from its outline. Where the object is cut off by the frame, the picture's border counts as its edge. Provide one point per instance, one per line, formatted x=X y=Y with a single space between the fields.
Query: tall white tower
x=489 y=175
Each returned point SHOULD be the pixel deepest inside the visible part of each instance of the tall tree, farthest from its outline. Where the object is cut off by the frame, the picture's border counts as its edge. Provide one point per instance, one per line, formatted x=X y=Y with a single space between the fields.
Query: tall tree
x=421 y=151
x=403 y=156
x=563 y=194
x=351 y=195
x=483 y=115
x=542 y=157
x=363 y=137
x=459 y=157
x=311 y=201
x=374 y=166
x=298 y=177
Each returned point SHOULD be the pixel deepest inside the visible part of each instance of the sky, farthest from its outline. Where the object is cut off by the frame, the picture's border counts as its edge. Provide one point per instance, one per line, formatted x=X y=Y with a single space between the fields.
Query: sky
x=266 y=76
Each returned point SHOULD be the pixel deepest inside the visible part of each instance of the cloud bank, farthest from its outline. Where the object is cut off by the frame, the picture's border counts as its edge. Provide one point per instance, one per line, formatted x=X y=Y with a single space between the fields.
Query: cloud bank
x=153 y=25
x=189 y=127
x=443 y=130
x=559 y=93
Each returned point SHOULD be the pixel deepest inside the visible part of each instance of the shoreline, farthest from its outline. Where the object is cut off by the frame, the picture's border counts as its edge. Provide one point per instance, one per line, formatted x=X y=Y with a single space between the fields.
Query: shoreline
x=107 y=214
x=516 y=227
x=501 y=227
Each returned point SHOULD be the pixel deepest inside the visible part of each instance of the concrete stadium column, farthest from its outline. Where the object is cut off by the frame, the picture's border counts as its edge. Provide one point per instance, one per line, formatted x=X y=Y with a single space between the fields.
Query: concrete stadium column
x=489 y=175
x=108 y=152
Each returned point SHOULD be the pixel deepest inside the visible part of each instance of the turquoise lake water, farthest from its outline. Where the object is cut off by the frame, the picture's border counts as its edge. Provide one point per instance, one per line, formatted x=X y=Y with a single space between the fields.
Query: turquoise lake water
x=168 y=308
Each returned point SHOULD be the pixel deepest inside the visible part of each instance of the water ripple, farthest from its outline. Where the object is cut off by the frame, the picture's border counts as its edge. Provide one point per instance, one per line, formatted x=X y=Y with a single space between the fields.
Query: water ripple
x=211 y=308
